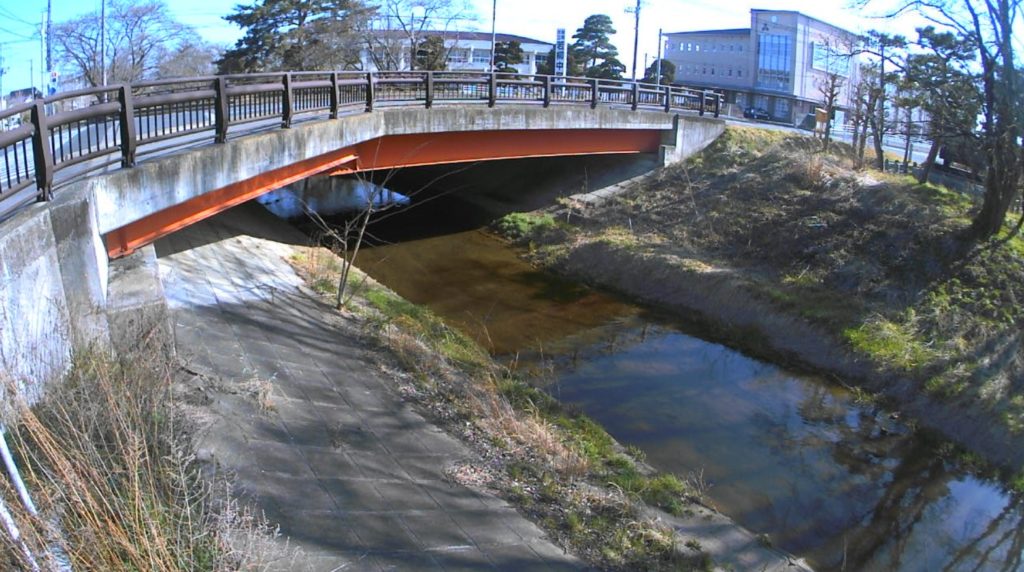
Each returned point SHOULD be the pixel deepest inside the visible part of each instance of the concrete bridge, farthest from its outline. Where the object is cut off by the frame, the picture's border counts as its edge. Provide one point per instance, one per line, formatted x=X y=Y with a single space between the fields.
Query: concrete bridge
x=83 y=185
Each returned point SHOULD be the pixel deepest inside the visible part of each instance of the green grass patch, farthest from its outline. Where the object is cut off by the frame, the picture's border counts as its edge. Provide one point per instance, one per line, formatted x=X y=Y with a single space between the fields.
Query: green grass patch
x=891 y=343
x=522 y=226
x=951 y=203
x=429 y=328
x=1017 y=483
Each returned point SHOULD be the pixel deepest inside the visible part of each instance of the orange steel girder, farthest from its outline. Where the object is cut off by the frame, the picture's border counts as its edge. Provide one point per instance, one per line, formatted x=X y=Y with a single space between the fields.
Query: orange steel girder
x=389 y=152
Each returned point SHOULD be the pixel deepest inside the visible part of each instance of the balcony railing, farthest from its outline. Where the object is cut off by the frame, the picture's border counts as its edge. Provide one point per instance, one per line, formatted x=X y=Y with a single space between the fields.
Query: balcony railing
x=48 y=142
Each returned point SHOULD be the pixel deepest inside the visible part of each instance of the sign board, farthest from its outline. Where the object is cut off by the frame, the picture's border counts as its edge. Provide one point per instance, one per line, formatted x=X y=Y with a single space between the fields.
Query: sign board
x=561 y=53
x=52 y=87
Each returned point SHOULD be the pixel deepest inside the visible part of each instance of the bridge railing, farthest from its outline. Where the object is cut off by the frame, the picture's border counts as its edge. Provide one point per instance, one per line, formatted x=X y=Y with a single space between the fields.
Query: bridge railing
x=72 y=134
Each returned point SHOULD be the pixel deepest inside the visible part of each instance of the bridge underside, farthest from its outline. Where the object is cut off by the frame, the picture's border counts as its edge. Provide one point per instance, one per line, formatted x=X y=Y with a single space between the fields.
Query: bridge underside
x=387 y=152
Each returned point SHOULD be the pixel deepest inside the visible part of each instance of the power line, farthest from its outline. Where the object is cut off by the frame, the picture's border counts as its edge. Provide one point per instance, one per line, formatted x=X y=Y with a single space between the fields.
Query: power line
x=12 y=16
x=17 y=35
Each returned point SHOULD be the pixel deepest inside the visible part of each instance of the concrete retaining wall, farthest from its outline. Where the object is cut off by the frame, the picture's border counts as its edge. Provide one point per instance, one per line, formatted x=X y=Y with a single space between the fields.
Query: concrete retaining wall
x=689 y=135
x=54 y=291
x=52 y=288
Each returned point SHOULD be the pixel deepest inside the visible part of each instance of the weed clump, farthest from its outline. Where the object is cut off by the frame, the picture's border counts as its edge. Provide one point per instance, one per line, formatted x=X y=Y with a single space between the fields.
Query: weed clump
x=107 y=458
x=530 y=228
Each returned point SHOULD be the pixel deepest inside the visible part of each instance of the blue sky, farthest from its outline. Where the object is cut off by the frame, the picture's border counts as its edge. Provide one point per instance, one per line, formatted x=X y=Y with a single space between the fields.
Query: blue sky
x=19 y=22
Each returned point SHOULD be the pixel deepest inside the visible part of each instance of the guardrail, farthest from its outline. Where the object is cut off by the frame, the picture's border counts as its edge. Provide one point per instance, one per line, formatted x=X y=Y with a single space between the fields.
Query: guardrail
x=121 y=123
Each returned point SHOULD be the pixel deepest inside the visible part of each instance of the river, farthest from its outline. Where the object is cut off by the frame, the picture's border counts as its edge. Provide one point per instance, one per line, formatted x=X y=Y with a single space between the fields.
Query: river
x=825 y=475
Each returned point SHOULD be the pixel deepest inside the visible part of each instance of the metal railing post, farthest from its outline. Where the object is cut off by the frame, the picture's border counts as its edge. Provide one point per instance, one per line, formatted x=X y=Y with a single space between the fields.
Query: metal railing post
x=369 y=91
x=287 y=102
x=636 y=95
x=718 y=104
x=668 y=99
x=492 y=91
x=430 y=88
x=595 y=95
x=221 y=113
x=127 y=119
x=703 y=101
x=547 y=91
x=41 y=152
x=334 y=96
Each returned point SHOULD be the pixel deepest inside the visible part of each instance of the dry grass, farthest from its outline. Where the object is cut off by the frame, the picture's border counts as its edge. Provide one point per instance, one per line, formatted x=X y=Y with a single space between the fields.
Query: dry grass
x=107 y=458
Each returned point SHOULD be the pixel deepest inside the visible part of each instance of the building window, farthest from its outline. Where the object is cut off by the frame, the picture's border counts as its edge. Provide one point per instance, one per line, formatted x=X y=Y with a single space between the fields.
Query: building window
x=458 y=56
x=481 y=56
x=782 y=108
x=774 y=61
x=739 y=73
x=696 y=47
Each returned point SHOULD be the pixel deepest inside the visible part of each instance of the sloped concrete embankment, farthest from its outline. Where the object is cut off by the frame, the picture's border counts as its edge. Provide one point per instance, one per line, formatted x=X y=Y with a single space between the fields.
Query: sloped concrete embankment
x=726 y=303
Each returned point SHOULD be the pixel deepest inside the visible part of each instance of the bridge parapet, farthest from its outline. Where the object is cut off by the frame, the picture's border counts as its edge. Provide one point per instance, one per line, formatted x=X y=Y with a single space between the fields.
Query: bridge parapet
x=71 y=135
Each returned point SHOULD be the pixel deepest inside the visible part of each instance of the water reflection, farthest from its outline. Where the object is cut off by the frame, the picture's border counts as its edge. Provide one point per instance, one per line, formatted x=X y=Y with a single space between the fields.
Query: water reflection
x=847 y=486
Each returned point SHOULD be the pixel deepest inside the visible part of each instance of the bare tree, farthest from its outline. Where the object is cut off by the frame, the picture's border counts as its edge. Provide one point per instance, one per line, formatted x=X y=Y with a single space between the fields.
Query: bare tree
x=837 y=63
x=349 y=237
x=189 y=59
x=140 y=35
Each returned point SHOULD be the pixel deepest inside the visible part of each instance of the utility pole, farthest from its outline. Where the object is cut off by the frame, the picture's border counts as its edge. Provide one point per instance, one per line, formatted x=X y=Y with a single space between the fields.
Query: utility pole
x=494 y=35
x=43 y=28
x=3 y=72
x=103 y=40
x=49 y=42
x=636 y=32
x=657 y=63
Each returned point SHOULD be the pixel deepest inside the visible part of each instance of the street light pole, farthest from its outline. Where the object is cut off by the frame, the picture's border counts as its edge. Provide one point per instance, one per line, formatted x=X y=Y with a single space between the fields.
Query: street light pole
x=494 y=34
x=636 y=35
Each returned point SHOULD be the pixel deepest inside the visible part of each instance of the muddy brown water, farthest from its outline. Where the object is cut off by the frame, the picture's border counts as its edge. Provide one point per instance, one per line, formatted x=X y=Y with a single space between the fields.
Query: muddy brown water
x=843 y=483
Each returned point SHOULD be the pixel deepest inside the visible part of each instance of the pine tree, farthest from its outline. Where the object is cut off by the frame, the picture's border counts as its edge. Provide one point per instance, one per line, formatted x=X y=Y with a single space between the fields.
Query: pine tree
x=507 y=55
x=295 y=35
x=594 y=49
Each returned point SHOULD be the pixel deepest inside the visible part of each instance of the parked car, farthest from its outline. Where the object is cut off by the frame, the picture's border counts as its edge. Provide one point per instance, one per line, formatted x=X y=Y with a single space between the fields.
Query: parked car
x=755 y=113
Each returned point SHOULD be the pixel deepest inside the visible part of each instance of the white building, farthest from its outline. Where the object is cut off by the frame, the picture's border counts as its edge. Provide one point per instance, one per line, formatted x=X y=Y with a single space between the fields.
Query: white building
x=466 y=51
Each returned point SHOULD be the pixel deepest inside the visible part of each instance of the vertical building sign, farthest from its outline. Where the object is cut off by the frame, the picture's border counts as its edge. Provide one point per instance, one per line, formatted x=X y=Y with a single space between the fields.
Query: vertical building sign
x=561 y=53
